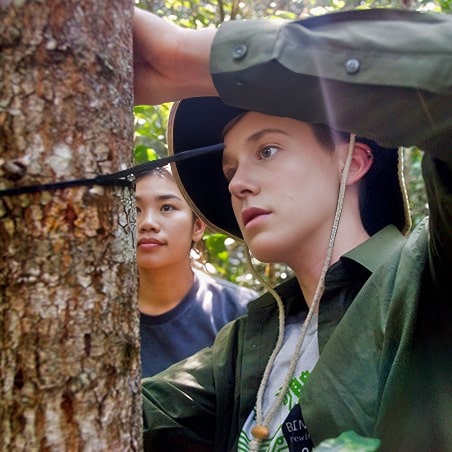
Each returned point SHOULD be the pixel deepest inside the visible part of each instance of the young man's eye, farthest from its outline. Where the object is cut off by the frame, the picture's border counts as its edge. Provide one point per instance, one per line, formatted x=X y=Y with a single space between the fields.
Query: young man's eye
x=137 y=209
x=267 y=151
x=228 y=173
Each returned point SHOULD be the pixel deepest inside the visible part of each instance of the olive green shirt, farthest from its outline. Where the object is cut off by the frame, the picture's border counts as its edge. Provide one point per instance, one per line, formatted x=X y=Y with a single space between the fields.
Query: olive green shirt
x=385 y=319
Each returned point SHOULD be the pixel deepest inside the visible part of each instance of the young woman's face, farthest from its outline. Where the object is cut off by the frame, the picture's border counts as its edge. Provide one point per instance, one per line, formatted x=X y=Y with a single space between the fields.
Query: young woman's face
x=283 y=185
x=166 y=227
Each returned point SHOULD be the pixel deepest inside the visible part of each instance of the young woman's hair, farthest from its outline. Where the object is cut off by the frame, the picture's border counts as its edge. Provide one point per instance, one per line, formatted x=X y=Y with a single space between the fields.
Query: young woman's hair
x=161 y=171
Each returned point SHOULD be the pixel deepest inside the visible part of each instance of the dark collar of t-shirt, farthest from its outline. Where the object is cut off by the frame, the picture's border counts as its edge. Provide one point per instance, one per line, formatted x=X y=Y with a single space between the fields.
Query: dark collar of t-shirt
x=180 y=308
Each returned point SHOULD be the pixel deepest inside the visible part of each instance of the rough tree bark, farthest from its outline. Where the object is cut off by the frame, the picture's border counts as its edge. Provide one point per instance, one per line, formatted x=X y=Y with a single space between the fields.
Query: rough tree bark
x=69 y=349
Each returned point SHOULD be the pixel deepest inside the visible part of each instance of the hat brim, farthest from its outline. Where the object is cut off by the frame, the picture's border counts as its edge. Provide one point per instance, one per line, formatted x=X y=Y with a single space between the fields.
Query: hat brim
x=200 y=121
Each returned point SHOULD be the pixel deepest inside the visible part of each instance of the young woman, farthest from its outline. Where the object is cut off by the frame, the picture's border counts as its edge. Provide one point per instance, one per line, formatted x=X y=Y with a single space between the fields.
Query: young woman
x=181 y=309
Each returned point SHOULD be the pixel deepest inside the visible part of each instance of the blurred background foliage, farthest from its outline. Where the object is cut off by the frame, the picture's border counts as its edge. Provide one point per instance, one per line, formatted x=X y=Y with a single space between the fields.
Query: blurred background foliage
x=221 y=255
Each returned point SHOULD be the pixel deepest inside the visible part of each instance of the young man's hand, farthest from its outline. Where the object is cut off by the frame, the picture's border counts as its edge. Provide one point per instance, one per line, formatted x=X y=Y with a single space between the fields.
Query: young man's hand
x=170 y=62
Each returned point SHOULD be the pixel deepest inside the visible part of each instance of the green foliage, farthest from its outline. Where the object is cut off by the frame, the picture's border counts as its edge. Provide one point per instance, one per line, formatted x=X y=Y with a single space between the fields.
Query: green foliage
x=225 y=256
x=415 y=184
x=216 y=247
x=445 y=5
x=150 y=131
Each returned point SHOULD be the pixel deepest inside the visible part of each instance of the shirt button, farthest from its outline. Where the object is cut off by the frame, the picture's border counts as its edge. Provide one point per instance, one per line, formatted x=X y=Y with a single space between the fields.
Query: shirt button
x=352 y=66
x=239 y=51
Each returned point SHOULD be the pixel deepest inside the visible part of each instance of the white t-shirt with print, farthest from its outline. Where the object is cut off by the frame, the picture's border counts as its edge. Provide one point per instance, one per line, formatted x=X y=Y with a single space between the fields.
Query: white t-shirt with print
x=287 y=429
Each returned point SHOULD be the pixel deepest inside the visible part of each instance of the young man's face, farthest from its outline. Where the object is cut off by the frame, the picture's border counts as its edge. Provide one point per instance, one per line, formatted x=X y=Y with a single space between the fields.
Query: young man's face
x=165 y=224
x=284 y=186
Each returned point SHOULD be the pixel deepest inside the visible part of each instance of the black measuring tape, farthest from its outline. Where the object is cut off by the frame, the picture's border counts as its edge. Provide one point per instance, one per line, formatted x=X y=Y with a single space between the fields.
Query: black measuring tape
x=121 y=178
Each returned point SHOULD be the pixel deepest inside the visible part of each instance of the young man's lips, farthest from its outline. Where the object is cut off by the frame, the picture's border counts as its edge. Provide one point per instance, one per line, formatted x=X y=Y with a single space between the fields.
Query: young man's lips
x=251 y=213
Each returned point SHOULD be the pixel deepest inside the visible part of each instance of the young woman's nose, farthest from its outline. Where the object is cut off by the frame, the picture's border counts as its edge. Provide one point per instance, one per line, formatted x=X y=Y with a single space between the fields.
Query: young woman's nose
x=242 y=183
x=149 y=222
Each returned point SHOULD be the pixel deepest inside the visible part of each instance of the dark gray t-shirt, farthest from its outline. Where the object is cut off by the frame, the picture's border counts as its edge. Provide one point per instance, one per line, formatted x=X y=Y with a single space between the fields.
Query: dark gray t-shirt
x=192 y=324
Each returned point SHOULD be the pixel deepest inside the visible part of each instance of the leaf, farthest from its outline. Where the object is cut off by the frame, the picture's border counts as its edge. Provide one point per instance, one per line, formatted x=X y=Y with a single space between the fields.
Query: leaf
x=349 y=442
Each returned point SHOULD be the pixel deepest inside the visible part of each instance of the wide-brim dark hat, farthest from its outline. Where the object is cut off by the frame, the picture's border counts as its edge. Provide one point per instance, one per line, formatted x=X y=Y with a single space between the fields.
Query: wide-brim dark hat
x=199 y=122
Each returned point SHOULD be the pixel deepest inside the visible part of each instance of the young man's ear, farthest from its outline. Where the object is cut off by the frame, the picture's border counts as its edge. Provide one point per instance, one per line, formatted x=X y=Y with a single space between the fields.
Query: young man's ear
x=198 y=229
x=361 y=162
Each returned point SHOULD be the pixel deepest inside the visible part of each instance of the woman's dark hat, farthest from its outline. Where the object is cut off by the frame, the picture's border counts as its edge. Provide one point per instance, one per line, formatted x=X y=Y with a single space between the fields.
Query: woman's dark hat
x=199 y=122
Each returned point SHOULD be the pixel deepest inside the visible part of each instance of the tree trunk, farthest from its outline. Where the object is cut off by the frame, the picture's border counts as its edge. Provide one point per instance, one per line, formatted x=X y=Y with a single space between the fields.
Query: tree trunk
x=69 y=348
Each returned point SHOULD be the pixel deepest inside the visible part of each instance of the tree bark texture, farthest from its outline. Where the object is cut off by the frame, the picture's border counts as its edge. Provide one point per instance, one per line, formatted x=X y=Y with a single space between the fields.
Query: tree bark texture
x=69 y=347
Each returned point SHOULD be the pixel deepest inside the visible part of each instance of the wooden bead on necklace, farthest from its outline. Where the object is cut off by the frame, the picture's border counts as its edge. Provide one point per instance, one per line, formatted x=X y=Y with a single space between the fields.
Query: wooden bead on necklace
x=260 y=432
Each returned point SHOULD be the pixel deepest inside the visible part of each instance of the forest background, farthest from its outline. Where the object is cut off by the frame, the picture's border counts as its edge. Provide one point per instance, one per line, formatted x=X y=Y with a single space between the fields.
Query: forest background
x=69 y=337
x=220 y=254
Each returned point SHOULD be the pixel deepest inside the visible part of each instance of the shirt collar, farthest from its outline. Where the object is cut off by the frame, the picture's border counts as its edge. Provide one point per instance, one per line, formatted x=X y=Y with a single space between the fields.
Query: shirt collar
x=370 y=255
x=373 y=252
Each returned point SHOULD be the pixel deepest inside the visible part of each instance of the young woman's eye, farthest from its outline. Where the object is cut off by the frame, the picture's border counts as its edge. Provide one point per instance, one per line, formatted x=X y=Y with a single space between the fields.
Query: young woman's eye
x=267 y=152
x=167 y=208
x=137 y=210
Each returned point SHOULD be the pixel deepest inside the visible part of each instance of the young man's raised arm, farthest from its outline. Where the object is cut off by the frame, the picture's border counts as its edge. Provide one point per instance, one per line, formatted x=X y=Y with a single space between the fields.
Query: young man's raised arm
x=382 y=74
x=399 y=54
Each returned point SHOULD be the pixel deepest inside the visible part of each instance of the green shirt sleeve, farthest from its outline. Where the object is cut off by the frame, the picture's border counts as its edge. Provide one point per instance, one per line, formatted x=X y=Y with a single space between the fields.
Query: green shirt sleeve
x=382 y=74
x=179 y=403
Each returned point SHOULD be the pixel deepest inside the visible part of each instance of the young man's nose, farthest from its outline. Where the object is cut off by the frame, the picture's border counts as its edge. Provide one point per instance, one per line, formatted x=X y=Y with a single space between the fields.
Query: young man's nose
x=242 y=184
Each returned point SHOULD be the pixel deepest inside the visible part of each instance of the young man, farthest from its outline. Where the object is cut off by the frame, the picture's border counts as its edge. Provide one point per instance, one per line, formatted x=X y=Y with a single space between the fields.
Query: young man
x=181 y=308
x=375 y=358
